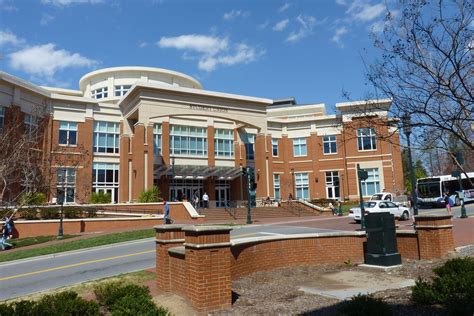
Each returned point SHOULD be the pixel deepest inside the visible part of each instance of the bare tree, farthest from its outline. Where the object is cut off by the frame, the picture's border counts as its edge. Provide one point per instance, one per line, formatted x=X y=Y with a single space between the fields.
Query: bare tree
x=426 y=68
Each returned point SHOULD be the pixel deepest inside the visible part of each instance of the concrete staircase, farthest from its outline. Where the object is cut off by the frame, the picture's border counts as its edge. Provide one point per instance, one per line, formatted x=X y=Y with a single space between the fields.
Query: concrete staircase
x=294 y=209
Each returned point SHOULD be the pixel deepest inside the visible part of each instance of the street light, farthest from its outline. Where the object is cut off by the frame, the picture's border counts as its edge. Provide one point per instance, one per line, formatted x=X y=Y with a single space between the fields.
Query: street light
x=407 y=129
x=362 y=175
x=172 y=179
x=460 y=159
x=293 y=183
x=62 y=177
x=341 y=185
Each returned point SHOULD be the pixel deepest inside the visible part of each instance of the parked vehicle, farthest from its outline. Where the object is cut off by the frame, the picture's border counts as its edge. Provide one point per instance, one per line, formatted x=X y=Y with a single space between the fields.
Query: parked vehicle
x=401 y=212
x=400 y=200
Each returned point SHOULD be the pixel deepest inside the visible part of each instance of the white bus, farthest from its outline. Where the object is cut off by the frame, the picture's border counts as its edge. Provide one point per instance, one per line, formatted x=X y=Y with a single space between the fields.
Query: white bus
x=431 y=190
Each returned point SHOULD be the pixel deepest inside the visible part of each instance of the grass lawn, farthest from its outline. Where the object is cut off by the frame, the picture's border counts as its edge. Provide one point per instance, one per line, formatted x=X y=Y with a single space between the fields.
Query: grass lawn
x=23 y=242
x=77 y=244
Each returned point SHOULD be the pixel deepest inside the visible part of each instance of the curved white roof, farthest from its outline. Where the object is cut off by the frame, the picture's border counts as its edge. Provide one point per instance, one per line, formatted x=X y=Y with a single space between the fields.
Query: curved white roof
x=83 y=81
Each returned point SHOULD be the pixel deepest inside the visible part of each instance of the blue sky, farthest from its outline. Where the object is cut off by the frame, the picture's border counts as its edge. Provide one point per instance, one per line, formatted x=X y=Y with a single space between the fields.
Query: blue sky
x=310 y=50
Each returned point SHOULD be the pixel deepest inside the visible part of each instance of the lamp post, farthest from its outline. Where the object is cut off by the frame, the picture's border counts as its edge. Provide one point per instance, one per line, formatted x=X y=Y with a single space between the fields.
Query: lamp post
x=63 y=197
x=341 y=186
x=460 y=159
x=293 y=192
x=407 y=129
x=172 y=178
x=362 y=175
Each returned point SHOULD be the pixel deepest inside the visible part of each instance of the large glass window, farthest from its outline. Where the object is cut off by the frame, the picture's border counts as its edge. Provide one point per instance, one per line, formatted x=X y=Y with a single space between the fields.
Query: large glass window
x=31 y=124
x=302 y=186
x=66 y=185
x=106 y=137
x=105 y=178
x=276 y=186
x=250 y=147
x=299 y=147
x=67 y=133
x=122 y=90
x=372 y=184
x=2 y=116
x=366 y=139
x=329 y=144
x=100 y=93
x=224 y=142
x=157 y=139
x=188 y=140
x=275 y=147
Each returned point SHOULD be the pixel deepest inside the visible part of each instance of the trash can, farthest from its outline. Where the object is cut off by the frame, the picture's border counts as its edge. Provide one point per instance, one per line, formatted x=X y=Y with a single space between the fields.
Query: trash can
x=381 y=247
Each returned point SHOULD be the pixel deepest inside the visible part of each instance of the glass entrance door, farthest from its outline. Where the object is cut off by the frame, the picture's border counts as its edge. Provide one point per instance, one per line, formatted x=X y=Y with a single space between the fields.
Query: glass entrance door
x=332 y=185
x=222 y=196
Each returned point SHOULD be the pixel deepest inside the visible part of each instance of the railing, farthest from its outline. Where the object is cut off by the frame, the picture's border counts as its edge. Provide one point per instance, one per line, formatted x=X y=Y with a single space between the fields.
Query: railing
x=232 y=212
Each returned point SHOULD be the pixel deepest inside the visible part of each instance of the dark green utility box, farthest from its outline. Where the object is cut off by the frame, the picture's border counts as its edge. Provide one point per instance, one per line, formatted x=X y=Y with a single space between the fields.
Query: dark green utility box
x=381 y=247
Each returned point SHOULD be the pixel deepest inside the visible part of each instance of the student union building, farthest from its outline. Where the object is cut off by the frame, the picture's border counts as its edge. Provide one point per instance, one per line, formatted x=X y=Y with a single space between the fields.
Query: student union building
x=129 y=128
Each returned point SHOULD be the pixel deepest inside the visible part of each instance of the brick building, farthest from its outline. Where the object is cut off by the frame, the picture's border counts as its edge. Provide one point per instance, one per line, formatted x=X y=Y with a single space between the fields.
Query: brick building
x=129 y=128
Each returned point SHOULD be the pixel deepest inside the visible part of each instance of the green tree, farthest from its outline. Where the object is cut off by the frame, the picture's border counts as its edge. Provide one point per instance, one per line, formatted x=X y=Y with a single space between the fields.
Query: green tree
x=151 y=195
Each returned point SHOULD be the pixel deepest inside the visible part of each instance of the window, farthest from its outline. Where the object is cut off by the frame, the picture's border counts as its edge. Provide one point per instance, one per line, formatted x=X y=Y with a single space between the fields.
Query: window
x=2 y=116
x=366 y=139
x=276 y=186
x=299 y=147
x=275 y=147
x=329 y=144
x=100 y=93
x=332 y=184
x=250 y=147
x=31 y=124
x=302 y=186
x=66 y=185
x=372 y=184
x=224 y=142
x=157 y=139
x=67 y=133
x=188 y=140
x=105 y=178
x=121 y=90
x=106 y=137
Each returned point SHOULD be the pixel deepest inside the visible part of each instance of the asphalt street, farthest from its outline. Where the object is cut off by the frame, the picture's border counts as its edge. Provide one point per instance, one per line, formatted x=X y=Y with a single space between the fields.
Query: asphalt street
x=29 y=276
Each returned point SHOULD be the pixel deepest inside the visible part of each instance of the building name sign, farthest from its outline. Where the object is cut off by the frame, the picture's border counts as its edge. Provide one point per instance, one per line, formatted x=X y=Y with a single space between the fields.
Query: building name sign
x=208 y=108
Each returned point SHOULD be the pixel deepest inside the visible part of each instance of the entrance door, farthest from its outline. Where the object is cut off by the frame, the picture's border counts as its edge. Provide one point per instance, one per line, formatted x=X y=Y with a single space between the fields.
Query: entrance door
x=332 y=185
x=222 y=197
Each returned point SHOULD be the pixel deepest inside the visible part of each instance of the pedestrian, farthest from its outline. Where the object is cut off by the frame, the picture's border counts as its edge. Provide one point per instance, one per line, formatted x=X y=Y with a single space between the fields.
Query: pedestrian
x=7 y=230
x=333 y=209
x=205 y=199
x=166 y=219
x=447 y=201
x=196 y=200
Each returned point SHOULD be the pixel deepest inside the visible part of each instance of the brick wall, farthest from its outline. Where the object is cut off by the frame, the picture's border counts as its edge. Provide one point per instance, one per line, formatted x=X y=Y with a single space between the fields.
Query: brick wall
x=407 y=243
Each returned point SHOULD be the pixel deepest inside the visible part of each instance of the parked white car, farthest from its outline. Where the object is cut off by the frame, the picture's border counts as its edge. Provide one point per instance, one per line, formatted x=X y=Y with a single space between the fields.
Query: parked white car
x=401 y=212
x=401 y=200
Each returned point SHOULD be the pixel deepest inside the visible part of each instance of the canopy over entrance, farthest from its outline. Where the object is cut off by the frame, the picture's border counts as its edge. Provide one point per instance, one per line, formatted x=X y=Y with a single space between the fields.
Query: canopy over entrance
x=197 y=172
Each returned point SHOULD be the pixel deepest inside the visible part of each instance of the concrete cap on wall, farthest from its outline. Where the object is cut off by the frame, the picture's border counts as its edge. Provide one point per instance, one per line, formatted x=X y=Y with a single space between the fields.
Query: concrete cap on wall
x=207 y=229
x=432 y=217
x=169 y=227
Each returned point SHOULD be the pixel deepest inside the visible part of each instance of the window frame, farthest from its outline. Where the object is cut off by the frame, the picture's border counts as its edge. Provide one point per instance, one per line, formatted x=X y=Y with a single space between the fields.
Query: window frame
x=276 y=186
x=183 y=134
x=331 y=142
x=298 y=147
x=157 y=138
x=121 y=89
x=68 y=130
x=373 y=179
x=250 y=147
x=68 y=185
x=371 y=136
x=300 y=177
x=275 y=147
x=113 y=185
x=115 y=135
x=224 y=138
x=100 y=93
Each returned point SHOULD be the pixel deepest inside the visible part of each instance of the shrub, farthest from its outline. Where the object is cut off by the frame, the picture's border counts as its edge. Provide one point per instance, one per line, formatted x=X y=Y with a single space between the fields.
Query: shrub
x=323 y=202
x=70 y=212
x=137 y=306
x=29 y=198
x=453 y=287
x=49 y=213
x=64 y=303
x=108 y=294
x=90 y=212
x=29 y=213
x=364 y=305
x=100 y=198
x=151 y=195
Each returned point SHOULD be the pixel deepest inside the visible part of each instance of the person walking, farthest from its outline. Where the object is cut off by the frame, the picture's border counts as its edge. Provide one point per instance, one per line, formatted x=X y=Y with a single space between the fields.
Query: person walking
x=196 y=200
x=205 y=199
x=447 y=201
x=166 y=218
x=7 y=231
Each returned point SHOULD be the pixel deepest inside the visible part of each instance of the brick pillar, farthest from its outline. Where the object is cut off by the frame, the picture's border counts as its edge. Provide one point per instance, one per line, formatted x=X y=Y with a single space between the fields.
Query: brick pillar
x=435 y=235
x=261 y=161
x=149 y=147
x=124 y=170
x=84 y=174
x=207 y=252
x=138 y=160
x=167 y=236
x=211 y=160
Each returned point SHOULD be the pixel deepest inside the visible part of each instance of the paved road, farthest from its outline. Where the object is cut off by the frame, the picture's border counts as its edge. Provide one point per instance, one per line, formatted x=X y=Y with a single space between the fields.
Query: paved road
x=54 y=271
x=442 y=211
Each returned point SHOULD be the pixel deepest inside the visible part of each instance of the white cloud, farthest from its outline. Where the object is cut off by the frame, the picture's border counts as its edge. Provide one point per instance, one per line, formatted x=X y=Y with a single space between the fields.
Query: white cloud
x=235 y=14
x=360 y=10
x=280 y=26
x=8 y=38
x=338 y=34
x=307 y=23
x=210 y=45
x=45 y=60
x=341 y=2
x=143 y=44
x=46 y=18
x=263 y=25
x=284 y=7
x=211 y=51
x=64 y=3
